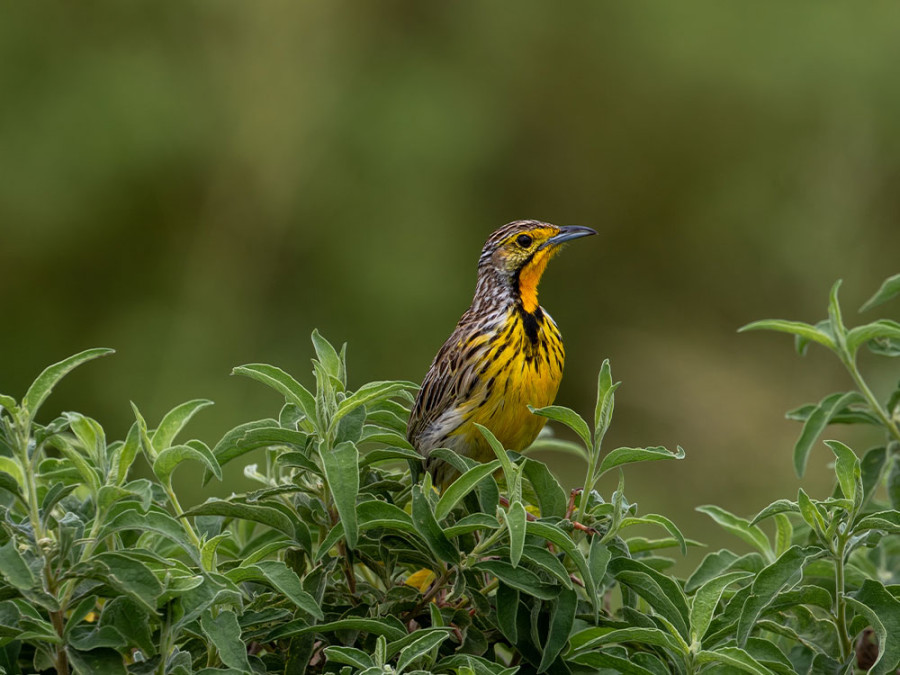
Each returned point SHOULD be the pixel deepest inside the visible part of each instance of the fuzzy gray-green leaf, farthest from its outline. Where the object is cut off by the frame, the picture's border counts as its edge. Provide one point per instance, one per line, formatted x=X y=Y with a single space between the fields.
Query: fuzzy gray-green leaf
x=40 y=389
x=890 y=288
x=341 y=466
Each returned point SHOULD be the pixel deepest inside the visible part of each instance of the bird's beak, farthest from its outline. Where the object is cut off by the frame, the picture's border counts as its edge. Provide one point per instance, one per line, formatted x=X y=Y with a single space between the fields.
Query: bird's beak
x=568 y=233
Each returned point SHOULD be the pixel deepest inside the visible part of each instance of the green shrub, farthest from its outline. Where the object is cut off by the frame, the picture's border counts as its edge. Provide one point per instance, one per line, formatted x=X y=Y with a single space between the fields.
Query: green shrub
x=346 y=560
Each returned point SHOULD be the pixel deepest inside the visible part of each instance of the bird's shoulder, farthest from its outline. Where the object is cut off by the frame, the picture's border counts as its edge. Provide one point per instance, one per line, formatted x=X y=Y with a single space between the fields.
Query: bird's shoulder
x=459 y=355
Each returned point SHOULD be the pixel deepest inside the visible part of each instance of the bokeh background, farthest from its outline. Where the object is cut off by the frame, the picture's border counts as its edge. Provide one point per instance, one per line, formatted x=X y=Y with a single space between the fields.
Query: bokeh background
x=200 y=184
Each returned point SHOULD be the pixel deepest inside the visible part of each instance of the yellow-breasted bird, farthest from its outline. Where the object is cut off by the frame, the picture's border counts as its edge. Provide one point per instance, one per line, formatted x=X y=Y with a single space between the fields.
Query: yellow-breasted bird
x=505 y=354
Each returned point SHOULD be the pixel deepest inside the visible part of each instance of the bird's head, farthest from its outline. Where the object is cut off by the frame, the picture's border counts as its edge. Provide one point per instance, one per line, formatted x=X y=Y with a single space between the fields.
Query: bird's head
x=518 y=253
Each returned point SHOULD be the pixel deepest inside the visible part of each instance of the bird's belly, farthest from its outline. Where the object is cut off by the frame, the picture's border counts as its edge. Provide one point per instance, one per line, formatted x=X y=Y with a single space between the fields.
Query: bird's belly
x=526 y=378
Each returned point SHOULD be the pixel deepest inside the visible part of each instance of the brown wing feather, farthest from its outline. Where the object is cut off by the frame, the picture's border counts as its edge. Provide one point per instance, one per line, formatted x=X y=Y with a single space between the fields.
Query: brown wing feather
x=442 y=384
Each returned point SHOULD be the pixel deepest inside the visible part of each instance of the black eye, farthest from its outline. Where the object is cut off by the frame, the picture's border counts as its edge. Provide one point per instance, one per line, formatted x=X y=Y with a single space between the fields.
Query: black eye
x=524 y=240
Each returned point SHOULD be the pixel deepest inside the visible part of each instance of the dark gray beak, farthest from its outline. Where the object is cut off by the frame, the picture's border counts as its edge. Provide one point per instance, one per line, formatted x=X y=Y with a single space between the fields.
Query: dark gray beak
x=568 y=233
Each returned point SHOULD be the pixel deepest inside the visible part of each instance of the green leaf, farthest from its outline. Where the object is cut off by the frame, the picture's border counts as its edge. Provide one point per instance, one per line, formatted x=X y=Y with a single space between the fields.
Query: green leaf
x=655 y=519
x=252 y=435
x=341 y=466
x=599 y=556
x=662 y=593
x=550 y=496
x=86 y=639
x=509 y=471
x=84 y=607
x=283 y=383
x=803 y=330
x=890 y=288
x=877 y=330
x=155 y=520
x=369 y=393
x=882 y=610
x=208 y=551
x=472 y=523
x=129 y=575
x=389 y=455
x=350 y=656
x=733 y=657
x=350 y=426
x=224 y=633
x=171 y=456
x=395 y=646
x=606 y=401
x=329 y=357
x=370 y=514
x=106 y=661
x=740 y=527
x=125 y=455
x=609 y=663
x=39 y=391
x=174 y=421
x=85 y=468
x=784 y=533
x=429 y=529
x=14 y=568
x=817 y=421
x=515 y=524
x=556 y=536
x=871 y=466
x=89 y=433
x=777 y=507
x=266 y=515
x=566 y=416
x=507 y=607
x=707 y=599
x=548 y=562
x=562 y=618
x=518 y=578
x=835 y=321
x=713 y=565
x=810 y=512
x=15 y=482
x=889 y=521
x=145 y=444
x=419 y=648
x=8 y=403
x=463 y=486
x=847 y=468
x=131 y=620
x=621 y=456
x=782 y=573
x=647 y=636
x=373 y=626
x=283 y=578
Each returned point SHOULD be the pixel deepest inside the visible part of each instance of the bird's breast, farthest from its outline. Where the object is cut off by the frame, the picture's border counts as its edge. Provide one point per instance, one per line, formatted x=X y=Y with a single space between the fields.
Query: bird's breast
x=523 y=363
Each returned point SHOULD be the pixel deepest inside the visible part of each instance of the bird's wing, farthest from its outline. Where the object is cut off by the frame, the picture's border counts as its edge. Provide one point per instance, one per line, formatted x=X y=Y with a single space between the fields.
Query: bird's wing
x=447 y=382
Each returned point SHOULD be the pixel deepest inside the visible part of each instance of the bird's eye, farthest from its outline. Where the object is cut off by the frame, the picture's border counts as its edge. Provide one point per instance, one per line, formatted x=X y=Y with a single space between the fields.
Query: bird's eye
x=524 y=240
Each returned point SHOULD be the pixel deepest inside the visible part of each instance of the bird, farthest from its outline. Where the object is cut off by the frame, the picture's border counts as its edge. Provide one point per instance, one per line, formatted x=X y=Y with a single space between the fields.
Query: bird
x=505 y=354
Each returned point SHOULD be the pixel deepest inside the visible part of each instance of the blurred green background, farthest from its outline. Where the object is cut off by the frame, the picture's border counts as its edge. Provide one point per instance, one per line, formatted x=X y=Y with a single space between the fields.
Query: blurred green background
x=200 y=184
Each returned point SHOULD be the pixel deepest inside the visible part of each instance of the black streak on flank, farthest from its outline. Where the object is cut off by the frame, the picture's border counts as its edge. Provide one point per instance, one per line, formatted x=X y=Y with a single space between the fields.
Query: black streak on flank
x=531 y=322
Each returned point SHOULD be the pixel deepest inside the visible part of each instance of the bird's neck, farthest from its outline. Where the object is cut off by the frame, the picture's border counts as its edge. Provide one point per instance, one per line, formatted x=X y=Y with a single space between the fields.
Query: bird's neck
x=496 y=291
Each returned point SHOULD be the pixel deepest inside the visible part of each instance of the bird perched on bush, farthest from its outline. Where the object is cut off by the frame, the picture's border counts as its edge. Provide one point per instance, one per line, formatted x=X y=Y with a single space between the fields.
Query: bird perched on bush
x=505 y=354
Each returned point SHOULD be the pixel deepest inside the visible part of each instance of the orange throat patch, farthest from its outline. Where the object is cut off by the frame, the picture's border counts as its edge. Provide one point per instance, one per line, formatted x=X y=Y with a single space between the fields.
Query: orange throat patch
x=530 y=277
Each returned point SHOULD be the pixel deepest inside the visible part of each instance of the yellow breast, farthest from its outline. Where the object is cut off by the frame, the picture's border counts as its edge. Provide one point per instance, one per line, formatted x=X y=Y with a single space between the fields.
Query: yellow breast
x=526 y=370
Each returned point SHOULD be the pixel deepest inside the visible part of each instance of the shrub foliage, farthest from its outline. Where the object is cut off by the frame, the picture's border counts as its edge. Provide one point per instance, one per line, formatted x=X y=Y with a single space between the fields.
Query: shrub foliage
x=346 y=560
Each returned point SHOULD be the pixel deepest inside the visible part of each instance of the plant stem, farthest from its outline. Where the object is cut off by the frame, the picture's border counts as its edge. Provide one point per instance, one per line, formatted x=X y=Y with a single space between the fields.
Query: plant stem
x=589 y=481
x=840 y=604
x=863 y=387
x=433 y=591
x=34 y=515
x=179 y=513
